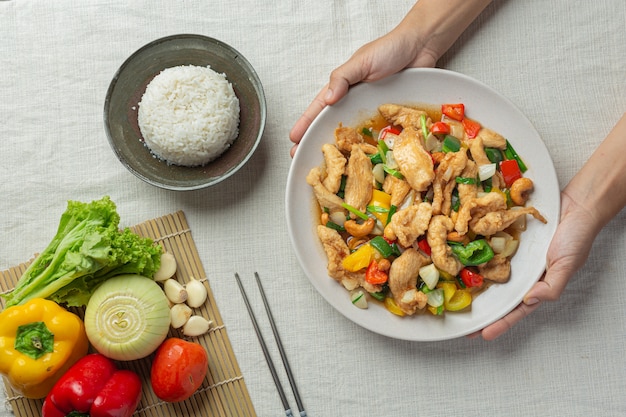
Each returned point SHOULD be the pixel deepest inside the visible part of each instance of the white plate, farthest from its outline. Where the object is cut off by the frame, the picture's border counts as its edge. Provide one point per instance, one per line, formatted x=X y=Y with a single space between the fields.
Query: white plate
x=426 y=86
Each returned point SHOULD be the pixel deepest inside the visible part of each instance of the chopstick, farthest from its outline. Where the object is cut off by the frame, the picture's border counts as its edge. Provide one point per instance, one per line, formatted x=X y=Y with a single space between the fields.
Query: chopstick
x=268 y=358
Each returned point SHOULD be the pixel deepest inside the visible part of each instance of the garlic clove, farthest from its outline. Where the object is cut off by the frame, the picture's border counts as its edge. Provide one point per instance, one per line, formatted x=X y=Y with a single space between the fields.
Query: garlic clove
x=196 y=326
x=179 y=314
x=167 y=269
x=174 y=291
x=196 y=293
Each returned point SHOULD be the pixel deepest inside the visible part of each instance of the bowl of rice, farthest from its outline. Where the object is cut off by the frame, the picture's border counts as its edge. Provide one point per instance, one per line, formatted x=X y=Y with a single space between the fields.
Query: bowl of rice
x=185 y=112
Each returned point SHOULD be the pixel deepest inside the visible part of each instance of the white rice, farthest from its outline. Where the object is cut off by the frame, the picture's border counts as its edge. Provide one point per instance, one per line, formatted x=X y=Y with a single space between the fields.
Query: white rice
x=189 y=115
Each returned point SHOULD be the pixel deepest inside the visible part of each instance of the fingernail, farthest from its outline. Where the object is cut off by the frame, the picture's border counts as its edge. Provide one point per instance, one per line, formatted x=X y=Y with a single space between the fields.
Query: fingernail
x=329 y=94
x=531 y=301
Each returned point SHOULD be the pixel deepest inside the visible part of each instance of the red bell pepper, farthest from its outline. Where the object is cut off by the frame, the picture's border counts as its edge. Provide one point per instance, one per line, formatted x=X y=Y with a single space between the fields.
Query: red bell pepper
x=388 y=129
x=94 y=387
x=424 y=246
x=472 y=127
x=454 y=111
x=510 y=171
x=375 y=276
x=440 y=128
x=471 y=278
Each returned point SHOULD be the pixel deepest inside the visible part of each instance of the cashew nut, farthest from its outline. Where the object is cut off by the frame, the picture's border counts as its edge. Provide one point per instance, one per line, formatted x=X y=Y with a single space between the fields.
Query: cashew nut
x=520 y=189
x=360 y=230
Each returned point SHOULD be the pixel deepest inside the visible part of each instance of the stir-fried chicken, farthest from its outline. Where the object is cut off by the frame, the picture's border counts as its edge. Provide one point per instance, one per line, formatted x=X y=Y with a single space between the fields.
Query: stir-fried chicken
x=477 y=208
x=397 y=188
x=336 y=250
x=335 y=164
x=415 y=163
x=491 y=139
x=498 y=269
x=468 y=191
x=403 y=281
x=324 y=197
x=477 y=150
x=404 y=116
x=409 y=223
x=345 y=137
x=450 y=167
x=441 y=253
x=359 y=179
x=496 y=221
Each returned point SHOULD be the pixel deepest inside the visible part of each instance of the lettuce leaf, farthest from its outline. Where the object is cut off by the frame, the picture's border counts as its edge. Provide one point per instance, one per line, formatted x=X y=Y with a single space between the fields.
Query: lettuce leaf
x=87 y=249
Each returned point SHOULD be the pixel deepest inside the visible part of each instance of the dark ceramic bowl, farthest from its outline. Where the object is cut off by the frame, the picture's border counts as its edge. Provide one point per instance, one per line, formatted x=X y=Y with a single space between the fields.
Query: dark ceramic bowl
x=129 y=84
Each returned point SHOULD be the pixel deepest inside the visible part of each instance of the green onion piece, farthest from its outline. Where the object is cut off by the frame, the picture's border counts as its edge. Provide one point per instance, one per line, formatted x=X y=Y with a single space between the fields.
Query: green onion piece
x=424 y=127
x=335 y=226
x=510 y=153
x=487 y=185
x=377 y=209
x=381 y=245
x=380 y=296
x=342 y=187
x=466 y=180
x=382 y=151
x=367 y=132
x=393 y=172
x=494 y=155
x=392 y=211
x=450 y=144
x=354 y=211
x=455 y=201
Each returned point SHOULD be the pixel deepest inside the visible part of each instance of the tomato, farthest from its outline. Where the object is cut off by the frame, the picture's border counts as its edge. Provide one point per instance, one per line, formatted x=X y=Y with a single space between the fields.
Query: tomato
x=472 y=127
x=454 y=111
x=178 y=369
x=440 y=128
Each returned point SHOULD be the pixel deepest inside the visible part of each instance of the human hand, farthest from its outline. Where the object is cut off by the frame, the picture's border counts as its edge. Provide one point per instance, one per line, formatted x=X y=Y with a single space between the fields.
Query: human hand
x=376 y=60
x=567 y=253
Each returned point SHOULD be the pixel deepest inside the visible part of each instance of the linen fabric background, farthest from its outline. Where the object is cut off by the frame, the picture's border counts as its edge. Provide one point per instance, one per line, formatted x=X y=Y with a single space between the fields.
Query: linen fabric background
x=562 y=63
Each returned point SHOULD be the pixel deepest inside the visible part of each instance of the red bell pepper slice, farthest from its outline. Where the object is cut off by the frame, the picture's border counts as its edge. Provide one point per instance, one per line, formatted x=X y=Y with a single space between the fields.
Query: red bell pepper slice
x=375 y=276
x=471 y=127
x=440 y=128
x=510 y=171
x=454 y=111
x=424 y=246
x=388 y=129
x=94 y=387
x=471 y=278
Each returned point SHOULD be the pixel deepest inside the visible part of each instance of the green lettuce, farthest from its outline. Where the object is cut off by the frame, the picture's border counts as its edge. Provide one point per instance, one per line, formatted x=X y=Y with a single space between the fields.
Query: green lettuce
x=88 y=248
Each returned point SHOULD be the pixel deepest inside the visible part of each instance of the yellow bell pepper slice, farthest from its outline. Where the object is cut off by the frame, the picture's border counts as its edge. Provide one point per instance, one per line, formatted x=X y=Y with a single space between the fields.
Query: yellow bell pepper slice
x=359 y=259
x=382 y=200
x=39 y=342
x=460 y=299
x=390 y=304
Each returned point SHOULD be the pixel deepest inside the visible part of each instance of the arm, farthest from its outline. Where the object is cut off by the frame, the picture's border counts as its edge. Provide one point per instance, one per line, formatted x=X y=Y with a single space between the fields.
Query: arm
x=419 y=40
x=595 y=195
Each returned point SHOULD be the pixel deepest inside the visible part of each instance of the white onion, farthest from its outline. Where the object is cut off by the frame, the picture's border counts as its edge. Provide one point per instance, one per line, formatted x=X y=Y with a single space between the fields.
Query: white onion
x=391 y=161
x=379 y=173
x=358 y=299
x=432 y=144
x=127 y=317
x=486 y=171
x=435 y=297
x=430 y=275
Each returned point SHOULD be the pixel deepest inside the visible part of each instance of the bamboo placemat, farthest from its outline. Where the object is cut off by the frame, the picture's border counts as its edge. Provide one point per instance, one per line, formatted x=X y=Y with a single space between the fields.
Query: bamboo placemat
x=223 y=392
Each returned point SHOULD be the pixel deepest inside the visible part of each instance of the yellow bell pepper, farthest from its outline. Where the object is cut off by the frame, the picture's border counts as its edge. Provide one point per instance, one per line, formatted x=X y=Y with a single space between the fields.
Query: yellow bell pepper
x=382 y=200
x=39 y=342
x=390 y=304
x=359 y=259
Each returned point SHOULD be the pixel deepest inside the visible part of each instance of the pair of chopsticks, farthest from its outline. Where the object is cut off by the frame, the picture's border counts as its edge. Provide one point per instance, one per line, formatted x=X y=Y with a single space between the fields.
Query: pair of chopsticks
x=268 y=358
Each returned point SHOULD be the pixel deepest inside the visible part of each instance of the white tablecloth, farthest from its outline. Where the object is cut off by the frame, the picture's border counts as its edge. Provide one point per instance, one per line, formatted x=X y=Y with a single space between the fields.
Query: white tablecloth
x=561 y=62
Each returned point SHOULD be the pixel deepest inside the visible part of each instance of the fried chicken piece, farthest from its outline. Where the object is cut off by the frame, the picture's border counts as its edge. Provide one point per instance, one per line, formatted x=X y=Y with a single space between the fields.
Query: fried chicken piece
x=404 y=116
x=358 y=191
x=403 y=281
x=496 y=221
x=325 y=198
x=477 y=150
x=336 y=250
x=468 y=191
x=491 y=139
x=345 y=137
x=409 y=223
x=498 y=269
x=414 y=162
x=335 y=164
x=441 y=253
x=477 y=208
x=397 y=188
x=450 y=167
